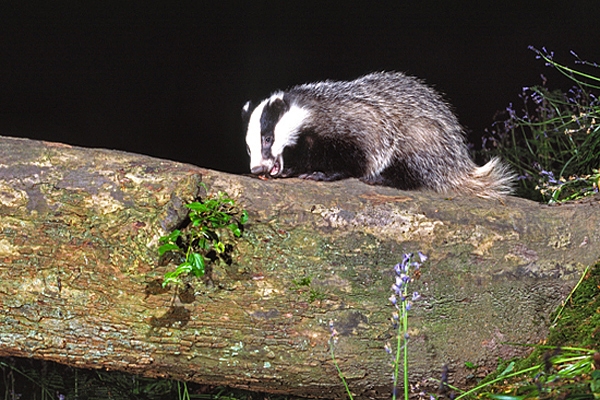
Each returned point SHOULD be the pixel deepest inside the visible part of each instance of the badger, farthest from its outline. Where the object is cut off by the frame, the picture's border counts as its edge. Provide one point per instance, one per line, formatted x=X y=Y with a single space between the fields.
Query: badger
x=384 y=128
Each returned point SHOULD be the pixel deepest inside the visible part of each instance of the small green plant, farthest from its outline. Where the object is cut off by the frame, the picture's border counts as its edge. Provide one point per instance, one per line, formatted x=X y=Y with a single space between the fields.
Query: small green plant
x=553 y=140
x=315 y=295
x=303 y=283
x=202 y=240
x=470 y=365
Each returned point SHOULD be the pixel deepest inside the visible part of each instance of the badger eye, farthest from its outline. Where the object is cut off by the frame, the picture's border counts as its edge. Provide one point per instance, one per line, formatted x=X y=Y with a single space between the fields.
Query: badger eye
x=268 y=139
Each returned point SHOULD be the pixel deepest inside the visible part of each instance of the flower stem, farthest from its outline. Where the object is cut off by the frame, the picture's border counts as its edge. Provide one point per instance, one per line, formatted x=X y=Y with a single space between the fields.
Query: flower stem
x=340 y=374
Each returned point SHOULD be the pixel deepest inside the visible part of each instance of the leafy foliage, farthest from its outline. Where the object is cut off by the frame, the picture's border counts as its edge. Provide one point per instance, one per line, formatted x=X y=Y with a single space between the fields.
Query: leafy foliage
x=553 y=140
x=202 y=240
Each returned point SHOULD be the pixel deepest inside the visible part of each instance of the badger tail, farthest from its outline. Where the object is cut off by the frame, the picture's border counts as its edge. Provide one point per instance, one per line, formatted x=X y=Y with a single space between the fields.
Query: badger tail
x=493 y=180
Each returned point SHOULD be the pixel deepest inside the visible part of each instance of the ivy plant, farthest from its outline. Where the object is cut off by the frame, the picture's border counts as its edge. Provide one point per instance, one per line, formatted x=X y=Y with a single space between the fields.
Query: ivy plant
x=204 y=238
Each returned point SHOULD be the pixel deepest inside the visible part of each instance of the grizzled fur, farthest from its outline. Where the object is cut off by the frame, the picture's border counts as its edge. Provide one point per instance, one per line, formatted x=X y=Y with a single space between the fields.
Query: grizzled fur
x=384 y=128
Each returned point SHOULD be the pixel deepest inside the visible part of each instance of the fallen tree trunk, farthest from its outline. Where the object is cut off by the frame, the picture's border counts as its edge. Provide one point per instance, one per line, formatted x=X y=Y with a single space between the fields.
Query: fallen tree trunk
x=79 y=273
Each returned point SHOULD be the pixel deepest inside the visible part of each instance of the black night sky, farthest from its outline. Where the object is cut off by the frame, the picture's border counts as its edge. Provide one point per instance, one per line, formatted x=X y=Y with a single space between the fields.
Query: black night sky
x=169 y=79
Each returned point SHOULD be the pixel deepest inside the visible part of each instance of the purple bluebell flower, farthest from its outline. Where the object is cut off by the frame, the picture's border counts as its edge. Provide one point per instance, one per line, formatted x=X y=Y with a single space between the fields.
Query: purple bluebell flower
x=547 y=54
x=511 y=111
x=550 y=176
x=400 y=300
x=537 y=97
x=537 y=53
x=388 y=348
x=400 y=268
x=334 y=334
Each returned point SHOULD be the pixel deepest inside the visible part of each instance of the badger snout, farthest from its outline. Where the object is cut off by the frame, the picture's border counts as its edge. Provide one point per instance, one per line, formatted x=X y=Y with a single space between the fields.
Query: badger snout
x=259 y=170
x=271 y=167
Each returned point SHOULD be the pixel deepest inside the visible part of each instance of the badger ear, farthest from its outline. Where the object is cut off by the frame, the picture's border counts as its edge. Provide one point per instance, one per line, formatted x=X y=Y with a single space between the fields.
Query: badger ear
x=246 y=111
x=278 y=106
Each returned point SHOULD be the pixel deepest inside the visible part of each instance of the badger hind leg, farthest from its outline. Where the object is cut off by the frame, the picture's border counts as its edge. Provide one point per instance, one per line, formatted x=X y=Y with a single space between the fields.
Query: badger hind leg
x=399 y=174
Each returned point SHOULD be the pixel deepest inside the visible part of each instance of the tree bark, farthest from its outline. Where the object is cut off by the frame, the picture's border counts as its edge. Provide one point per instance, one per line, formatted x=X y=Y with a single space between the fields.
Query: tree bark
x=79 y=274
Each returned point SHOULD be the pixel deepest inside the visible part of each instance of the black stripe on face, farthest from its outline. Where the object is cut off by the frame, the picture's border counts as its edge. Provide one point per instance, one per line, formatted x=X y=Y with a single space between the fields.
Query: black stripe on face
x=272 y=113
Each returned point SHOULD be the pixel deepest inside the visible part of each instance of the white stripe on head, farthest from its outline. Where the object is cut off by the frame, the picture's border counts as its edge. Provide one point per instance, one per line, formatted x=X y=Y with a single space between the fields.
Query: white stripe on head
x=253 y=137
x=287 y=129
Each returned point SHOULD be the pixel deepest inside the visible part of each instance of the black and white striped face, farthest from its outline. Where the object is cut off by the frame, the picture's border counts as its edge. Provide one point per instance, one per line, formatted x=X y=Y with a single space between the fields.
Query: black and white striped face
x=272 y=126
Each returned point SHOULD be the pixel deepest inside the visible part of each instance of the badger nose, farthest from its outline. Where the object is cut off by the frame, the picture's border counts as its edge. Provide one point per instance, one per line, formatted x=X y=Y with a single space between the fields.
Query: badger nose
x=260 y=169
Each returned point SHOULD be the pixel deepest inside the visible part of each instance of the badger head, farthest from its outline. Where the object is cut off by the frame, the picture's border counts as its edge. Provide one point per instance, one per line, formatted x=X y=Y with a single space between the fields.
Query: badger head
x=272 y=126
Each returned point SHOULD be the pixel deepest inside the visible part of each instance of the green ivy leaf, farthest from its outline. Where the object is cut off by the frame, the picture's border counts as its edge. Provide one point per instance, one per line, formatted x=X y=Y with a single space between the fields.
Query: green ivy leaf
x=235 y=229
x=197 y=206
x=184 y=267
x=167 y=247
x=220 y=247
x=171 y=237
x=244 y=217
x=203 y=243
x=173 y=276
x=197 y=264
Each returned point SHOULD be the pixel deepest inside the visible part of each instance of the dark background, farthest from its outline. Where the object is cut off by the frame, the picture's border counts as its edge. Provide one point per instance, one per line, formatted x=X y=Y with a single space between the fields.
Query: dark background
x=169 y=79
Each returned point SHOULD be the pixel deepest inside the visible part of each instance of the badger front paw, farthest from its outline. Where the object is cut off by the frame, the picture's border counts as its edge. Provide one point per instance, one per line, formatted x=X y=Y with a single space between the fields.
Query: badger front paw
x=322 y=176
